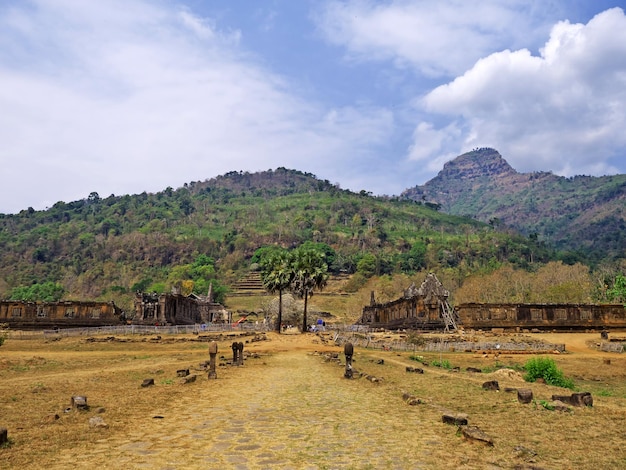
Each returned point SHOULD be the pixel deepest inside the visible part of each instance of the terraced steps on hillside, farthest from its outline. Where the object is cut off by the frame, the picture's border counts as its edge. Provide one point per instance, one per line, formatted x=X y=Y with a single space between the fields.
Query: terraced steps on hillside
x=250 y=284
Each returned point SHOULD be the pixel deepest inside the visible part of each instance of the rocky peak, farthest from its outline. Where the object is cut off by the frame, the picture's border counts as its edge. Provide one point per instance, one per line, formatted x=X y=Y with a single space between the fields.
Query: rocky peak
x=483 y=162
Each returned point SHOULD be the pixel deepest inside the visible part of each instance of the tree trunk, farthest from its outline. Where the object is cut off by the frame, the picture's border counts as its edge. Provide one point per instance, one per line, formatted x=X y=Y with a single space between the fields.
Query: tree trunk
x=306 y=298
x=280 y=311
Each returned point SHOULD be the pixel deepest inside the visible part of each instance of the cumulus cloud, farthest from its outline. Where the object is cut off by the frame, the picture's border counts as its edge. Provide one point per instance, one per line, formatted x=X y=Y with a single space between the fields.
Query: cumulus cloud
x=561 y=110
x=125 y=96
x=434 y=37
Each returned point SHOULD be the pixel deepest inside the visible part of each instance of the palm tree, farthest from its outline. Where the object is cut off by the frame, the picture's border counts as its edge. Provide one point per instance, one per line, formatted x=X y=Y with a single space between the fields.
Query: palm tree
x=310 y=273
x=277 y=275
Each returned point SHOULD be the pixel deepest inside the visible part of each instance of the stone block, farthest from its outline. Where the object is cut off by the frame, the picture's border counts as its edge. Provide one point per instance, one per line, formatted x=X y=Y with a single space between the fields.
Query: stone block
x=491 y=385
x=474 y=433
x=79 y=402
x=456 y=419
x=147 y=382
x=524 y=395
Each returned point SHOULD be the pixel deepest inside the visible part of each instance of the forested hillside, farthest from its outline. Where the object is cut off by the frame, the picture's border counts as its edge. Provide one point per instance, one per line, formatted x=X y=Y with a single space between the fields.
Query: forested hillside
x=582 y=214
x=108 y=247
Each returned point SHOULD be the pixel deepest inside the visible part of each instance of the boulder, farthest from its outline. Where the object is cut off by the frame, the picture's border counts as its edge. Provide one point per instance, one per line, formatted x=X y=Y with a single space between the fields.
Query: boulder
x=147 y=382
x=491 y=385
x=97 y=422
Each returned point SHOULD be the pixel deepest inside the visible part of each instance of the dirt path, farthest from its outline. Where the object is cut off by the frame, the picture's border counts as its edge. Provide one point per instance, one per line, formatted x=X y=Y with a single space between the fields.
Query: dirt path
x=236 y=423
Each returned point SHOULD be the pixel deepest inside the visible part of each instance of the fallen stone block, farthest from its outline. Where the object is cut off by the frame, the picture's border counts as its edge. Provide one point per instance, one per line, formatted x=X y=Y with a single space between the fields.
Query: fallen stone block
x=97 y=422
x=416 y=370
x=491 y=385
x=79 y=402
x=456 y=419
x=524 y=395
x=474 y=433
x=189 y=379
x=558 y=405
x=575 y=399
x=474 y=370
x=147 y=382
x=182 y=373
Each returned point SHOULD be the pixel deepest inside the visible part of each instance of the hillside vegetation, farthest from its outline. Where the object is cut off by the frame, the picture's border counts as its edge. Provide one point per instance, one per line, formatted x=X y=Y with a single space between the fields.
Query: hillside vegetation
x=107 y=248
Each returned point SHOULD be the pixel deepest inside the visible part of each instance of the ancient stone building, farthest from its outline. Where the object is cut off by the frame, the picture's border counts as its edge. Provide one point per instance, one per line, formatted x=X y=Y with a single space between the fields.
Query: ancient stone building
x=423 y=308
x=427 y=308
x=178 y=309
x=34 y=315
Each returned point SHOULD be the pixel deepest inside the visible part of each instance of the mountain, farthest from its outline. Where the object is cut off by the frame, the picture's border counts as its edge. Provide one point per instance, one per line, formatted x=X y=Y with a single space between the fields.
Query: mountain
x=107 y=248
x=582 y=213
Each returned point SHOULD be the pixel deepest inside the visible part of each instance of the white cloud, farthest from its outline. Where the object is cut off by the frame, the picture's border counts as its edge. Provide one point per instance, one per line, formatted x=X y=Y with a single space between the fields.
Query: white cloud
x=562 y=110
x=125 y=96
x=433 y=36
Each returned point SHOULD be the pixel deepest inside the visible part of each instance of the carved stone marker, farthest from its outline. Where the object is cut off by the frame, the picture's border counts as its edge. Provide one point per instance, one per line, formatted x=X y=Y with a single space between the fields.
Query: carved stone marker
x=524 y=395
x=4 y=436
x=212 y=354
x=348 y=350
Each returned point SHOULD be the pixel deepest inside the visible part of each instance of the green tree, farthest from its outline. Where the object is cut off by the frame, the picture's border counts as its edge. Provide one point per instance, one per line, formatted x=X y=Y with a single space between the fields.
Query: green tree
x=46 y=292
x=277 y=274
x=617 y=293
x=310 y=273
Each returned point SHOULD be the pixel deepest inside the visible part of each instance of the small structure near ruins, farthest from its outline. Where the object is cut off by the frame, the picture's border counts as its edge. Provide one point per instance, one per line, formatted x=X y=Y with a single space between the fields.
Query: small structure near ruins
x=423 y=308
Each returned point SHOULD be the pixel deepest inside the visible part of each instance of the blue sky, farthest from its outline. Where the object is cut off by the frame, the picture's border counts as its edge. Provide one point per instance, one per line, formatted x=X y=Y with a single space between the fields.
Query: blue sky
x=125 y=96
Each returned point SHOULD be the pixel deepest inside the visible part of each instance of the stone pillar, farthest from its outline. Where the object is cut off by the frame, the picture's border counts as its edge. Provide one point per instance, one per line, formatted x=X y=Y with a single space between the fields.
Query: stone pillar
x=240 y=354
x=212 y=354
x=235 y=348
x=348 y=350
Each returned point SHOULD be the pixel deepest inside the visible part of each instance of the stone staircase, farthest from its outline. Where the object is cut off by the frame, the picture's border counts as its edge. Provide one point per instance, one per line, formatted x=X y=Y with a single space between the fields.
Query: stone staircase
x=250 y=284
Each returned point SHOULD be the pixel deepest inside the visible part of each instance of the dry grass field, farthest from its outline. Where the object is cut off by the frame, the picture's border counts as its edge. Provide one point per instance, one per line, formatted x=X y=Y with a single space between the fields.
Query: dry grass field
x=288 y=407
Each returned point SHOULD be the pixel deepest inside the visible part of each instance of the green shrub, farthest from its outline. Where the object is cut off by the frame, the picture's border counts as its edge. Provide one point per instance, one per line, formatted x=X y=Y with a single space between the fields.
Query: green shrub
x=545 y=368
x=445 y=364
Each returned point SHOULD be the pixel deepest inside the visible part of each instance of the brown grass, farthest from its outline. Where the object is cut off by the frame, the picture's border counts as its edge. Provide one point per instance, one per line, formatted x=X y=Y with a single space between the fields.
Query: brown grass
x=291 y=408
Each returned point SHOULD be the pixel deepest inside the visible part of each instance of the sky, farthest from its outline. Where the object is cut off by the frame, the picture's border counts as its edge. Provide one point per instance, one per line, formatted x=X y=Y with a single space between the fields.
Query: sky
x=126 y=96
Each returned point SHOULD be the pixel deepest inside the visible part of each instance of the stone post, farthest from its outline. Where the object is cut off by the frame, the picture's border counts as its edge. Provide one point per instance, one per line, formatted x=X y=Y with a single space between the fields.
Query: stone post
x=240 y=354
x=235 y=348
x=348 y=350
x=212 y=354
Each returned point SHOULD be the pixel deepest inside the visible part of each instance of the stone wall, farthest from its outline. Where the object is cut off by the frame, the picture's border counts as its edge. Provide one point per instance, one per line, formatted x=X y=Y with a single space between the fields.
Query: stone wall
x=542 y=316
x=34 y=315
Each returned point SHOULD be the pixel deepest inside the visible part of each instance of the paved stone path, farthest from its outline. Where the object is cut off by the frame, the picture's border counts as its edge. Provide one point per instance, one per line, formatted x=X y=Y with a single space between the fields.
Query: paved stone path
x=233 y=423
